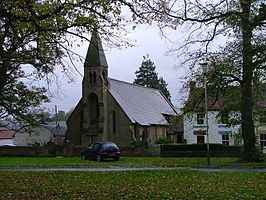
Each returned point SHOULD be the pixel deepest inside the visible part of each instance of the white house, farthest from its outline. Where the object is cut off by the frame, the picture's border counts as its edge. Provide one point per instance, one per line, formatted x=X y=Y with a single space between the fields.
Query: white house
x=220 y=133
x=219 y=130
x=7 y=137
x=37 y=136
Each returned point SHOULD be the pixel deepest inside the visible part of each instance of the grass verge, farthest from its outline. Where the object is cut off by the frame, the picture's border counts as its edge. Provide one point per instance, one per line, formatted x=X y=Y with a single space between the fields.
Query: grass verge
x=174 y=184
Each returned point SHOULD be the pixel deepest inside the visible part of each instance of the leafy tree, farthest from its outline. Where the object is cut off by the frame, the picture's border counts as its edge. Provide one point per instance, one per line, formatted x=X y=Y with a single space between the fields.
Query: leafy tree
x=243 y=20
x=148 y=77
x=35 y=39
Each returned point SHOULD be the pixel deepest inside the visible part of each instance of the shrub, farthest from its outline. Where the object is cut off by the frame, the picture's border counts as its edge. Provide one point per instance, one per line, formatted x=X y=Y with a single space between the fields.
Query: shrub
x=163 y=140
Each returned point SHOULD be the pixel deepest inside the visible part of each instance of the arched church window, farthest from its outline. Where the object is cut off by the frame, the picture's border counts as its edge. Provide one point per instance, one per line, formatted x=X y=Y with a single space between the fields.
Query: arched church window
x=90 y=77
x=114 y=121
x=104 y=77
x=94 y=114
x=94 y=77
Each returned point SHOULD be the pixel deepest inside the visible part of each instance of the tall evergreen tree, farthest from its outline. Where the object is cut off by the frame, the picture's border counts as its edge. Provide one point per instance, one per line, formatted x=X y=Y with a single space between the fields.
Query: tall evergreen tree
x=163 y=88
x=148 y=77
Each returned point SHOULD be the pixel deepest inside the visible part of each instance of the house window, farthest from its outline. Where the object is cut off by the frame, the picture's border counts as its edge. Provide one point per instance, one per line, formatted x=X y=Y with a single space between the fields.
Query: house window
x=200 y=139
x=263 y=140
x=225 y=140
x=200 y=118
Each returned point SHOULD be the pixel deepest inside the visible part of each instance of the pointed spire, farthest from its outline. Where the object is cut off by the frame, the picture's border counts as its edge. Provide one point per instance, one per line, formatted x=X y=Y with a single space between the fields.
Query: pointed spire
x=95 y=55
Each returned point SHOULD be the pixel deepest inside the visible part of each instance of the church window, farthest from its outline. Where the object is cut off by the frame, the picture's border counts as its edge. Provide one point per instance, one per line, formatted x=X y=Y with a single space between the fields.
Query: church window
x=94 y=77
x=104 y=77
x=114 y=121
x=94 y=113
x=90 y=77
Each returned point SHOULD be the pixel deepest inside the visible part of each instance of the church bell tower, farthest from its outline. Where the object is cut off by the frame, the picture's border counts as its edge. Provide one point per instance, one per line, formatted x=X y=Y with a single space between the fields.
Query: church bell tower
x=94 y=93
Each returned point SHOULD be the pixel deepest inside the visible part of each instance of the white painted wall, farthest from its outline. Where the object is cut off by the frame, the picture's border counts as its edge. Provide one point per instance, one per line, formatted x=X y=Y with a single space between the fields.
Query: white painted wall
x=190 y=125
x=5 y=141
x=39 y=135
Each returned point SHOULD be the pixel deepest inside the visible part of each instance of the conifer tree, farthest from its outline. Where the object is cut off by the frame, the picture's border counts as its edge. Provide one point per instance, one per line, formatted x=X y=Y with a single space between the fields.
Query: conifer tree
x=148 y=77
x=163 y=88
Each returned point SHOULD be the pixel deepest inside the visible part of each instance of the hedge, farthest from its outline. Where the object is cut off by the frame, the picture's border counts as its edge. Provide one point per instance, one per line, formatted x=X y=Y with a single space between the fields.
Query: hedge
x=198 y=147
x=195 y=150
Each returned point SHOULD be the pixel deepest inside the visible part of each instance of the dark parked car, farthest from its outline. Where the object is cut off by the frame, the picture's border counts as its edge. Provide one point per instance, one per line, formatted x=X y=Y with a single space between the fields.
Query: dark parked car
x=101 y=150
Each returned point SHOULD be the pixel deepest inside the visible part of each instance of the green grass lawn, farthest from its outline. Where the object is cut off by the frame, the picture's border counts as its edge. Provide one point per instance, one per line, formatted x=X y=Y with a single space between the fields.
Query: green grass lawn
x=124 y=161
x=158 y=184
x=174 y=184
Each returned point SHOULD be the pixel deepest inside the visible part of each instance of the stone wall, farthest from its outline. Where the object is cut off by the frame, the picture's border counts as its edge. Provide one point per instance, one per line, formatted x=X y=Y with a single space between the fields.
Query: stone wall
x=123 y=134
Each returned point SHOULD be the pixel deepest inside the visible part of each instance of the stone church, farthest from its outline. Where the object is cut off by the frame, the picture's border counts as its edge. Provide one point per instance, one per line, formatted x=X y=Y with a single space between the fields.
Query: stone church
x=113 y=110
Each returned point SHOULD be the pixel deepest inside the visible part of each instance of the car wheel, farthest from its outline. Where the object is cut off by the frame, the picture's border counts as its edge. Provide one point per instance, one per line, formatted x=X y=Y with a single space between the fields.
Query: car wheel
x=116 y=158
x=83 y=157
x=99 y=158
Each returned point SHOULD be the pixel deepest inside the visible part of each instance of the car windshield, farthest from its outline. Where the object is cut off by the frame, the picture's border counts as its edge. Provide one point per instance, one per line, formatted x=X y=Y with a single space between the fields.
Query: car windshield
x=109 y=145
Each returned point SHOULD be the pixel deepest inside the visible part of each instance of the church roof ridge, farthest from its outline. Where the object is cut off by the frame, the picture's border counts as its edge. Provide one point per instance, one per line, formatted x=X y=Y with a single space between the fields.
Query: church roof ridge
x=134 y=84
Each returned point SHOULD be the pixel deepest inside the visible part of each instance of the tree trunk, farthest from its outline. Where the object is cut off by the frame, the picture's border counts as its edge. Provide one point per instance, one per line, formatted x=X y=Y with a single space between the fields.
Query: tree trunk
x=247 y=123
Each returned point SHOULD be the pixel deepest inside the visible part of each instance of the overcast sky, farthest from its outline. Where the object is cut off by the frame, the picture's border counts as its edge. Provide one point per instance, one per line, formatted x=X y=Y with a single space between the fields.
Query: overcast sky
x=123 y=64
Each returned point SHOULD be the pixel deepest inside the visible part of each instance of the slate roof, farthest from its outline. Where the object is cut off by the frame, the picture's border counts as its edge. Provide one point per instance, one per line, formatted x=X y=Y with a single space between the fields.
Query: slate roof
x=95 y=55
x=58 y=129
x=142 y=105
x=7 y=134
x=229 y=98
